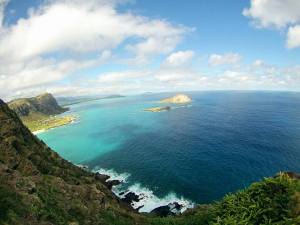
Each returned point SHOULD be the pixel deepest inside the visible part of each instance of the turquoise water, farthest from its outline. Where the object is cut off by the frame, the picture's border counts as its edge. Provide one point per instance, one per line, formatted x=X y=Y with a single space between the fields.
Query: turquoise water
x=221 y=142
x=103 y=126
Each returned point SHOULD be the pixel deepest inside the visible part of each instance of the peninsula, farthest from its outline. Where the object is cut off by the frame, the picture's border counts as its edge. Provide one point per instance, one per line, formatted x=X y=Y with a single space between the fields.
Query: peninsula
x=40 y=112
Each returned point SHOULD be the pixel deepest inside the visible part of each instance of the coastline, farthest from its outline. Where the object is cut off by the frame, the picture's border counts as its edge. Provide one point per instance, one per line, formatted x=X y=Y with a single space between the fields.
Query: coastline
x=52 y=123
x=141 y=198
x=38 y=131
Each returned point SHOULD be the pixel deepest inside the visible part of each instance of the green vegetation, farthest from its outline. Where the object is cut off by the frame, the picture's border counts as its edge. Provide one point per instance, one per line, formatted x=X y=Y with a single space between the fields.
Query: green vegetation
x=271 y=201
x=38 y=113
x=37 y=186
x=45 y=123
x=41 y=105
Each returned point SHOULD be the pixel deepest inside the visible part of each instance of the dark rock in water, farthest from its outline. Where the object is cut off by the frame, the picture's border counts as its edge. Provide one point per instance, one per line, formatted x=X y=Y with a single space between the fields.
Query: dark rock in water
x=112 y=183
x=101 y=177
x=168 y=210
x=130 y=197
x=84 y=167
x=176 y=206
x=122 y=193
x=163 y=211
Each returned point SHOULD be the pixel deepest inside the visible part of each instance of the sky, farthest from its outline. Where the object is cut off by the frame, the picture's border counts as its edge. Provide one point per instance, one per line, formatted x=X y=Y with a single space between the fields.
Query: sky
x=103 y=47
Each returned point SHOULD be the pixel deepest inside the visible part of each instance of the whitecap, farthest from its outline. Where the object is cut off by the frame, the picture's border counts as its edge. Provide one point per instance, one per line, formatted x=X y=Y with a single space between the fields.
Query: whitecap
x=147 y=199
x=113 y=175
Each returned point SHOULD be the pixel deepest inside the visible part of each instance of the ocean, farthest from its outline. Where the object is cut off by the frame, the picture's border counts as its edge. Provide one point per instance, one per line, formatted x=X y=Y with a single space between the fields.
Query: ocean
x=219 y=143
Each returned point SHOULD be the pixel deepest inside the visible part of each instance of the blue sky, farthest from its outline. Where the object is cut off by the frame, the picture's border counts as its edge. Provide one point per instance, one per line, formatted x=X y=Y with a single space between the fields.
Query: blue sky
x=77 y=47
x=221 y=27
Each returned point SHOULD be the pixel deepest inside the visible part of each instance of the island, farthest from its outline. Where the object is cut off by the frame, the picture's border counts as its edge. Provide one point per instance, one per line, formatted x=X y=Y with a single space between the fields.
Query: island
x=177 y=99
x=158 y=109
x=41 y=112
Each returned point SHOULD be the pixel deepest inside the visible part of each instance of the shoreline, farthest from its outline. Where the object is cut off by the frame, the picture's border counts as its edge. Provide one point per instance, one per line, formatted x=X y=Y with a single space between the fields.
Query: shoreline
x=70 y=119
x=141 y=198
x=38 y=131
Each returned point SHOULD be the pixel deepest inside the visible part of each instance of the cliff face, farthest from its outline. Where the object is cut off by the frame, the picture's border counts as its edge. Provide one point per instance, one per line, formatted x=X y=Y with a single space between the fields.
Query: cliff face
x=44 y=104
x=37 y=186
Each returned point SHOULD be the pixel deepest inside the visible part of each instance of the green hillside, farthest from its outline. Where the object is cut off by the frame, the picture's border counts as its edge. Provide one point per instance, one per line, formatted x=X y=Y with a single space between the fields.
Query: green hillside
x=39 y=113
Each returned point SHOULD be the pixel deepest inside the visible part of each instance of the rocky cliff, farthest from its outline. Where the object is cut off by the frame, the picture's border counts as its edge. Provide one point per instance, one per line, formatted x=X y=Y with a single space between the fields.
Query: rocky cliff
x=44 y=104
x=37 y=186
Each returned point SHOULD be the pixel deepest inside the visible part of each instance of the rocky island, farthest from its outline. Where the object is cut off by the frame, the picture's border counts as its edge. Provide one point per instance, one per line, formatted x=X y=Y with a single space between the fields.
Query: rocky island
x=158 y=109
x=177 y=99
x=40 y=112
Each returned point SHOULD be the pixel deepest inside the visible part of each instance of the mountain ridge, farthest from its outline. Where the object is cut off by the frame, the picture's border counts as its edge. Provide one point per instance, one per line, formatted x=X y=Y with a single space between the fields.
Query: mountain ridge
x=40 y=112
x=44 y=104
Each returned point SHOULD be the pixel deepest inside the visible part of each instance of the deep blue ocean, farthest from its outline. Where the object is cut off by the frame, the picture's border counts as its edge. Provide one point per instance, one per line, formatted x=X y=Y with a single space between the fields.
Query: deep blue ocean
x=220 y=143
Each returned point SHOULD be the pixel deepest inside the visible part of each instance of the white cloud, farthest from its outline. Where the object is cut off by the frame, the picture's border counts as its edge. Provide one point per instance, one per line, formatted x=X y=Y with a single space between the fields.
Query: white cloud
x=81 y=27
x=120 y=77
x=293 y=37
x=273 y=13
x=228 y=58
x=258 y=63
x=35 y=48
x=40 y=72
x=179 y=58
x=277 y=14
x=255 y=76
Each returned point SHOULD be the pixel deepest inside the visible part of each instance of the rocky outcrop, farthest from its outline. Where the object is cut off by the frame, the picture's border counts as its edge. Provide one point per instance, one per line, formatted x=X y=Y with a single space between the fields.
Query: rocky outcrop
x=177 y=99
x=44 y=104
x=158 y=109
x=111 y=183
x=171 y=209
x=130 y=197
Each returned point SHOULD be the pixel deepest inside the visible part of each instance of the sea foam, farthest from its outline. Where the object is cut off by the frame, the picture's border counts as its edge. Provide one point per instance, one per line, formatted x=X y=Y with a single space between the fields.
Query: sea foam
x=147 y=199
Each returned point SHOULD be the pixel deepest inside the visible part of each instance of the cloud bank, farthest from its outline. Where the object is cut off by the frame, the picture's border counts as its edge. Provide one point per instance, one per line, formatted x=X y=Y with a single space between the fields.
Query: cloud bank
x=60 y=37
x=62 y=46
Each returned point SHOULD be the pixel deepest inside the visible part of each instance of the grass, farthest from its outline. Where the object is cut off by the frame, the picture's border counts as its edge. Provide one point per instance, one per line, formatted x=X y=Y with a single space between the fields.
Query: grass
x=11 y=207
x=46 y=122
x=271 y=201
